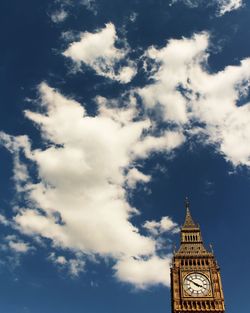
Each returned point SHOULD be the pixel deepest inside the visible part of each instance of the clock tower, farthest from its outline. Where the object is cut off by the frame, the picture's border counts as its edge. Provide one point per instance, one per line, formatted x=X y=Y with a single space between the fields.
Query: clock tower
x=195 y=275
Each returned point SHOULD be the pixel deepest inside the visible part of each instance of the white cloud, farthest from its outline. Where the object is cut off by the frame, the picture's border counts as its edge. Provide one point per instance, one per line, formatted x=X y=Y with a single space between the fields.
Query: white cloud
x=59 y=16
x=63 y=7
x=188 y=92
x=143 y=273
x=15 y=145
x=229 y=5
x=174 y=61
x=80 y=201
x=134 y=176
x=164 y=225
x=167 y=142
x=17 y=245
x=98 y=51
x=226 y=124
x=88 y=4
x=75 y=266
x=223 y=6
x=3 y=220
x=189 y=3
x=133 y=16
x=57 y=259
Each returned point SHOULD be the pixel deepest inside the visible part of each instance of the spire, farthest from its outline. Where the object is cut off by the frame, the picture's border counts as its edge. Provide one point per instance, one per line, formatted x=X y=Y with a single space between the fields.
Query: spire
x=191 y=239
x=189 y=223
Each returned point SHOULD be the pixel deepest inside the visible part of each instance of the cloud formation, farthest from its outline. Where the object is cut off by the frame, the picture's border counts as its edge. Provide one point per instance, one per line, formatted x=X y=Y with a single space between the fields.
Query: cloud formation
x=16 y=245
x=79 y=201
x=143 y=273
x=186 y=93
x=98 y=51
x=74 y=266
x=134 y=176
x=229 y=5
x=59 y=16
x=164 y=225
x=223 y=6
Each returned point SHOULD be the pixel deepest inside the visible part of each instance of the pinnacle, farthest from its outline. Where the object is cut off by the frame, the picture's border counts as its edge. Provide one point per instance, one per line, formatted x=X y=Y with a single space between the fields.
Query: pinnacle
x=189 y=223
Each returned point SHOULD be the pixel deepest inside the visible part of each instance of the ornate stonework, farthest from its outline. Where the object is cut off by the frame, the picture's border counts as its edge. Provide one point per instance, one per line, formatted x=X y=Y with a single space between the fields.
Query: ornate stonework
x=195 y=275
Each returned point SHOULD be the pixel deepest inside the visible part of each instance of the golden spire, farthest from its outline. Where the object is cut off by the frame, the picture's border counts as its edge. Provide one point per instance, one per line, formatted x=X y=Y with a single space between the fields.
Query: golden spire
x=189 y=223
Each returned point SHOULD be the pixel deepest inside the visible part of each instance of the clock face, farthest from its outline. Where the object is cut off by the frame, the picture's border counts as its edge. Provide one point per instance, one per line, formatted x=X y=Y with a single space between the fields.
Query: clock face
x=196 y=285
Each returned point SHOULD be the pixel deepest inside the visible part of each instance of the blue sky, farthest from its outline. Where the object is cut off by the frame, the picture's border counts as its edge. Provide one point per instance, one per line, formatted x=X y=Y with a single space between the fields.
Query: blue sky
x=112 y=112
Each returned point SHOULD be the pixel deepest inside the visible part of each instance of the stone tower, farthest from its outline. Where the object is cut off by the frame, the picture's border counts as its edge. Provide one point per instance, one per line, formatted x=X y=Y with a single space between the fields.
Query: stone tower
x=195 y=275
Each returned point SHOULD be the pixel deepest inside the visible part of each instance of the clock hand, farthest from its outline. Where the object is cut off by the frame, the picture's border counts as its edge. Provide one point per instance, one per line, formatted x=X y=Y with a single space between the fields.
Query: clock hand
x=198 y=285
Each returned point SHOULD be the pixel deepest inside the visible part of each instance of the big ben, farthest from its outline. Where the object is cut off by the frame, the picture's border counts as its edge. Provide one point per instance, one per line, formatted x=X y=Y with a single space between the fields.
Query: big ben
x=195 y=275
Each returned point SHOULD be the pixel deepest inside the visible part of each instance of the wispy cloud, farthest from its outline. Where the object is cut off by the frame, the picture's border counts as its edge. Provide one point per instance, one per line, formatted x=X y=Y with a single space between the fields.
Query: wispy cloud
x=74 y=266
x=19 y=246
x=98 y=51
x=59 y=16
x=4 y=220
x=222 y=6
x=225 y=6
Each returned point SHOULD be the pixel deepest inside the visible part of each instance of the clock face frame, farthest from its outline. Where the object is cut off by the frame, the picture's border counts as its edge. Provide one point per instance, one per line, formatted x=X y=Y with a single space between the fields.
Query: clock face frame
x=196 y=285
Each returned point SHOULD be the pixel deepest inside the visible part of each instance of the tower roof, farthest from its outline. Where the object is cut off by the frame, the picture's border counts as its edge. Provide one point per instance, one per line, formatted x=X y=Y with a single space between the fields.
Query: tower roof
x=189 y=222
x=191 y=239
